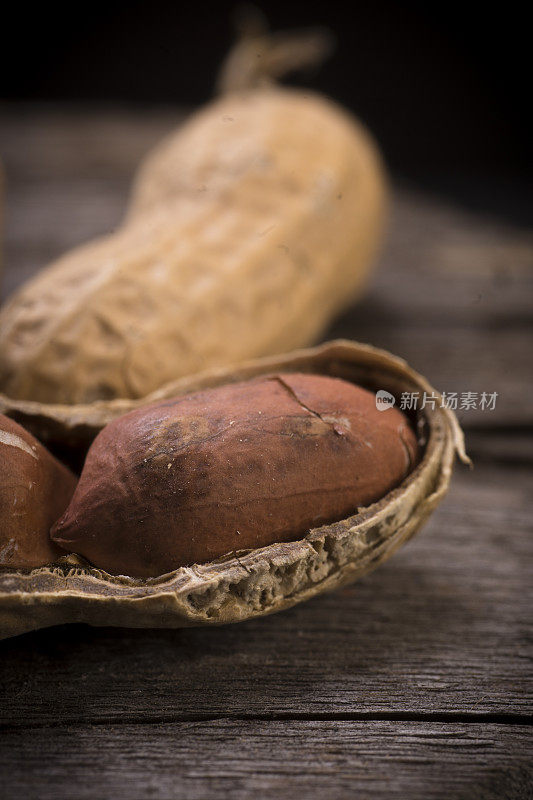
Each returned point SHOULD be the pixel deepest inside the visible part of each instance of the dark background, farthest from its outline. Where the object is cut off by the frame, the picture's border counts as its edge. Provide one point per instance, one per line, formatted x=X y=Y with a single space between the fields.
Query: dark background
x=445 y=87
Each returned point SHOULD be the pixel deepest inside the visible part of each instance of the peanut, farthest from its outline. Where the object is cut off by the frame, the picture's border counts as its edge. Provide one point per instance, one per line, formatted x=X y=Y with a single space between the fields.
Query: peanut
x=238 y=467
x=34 y=490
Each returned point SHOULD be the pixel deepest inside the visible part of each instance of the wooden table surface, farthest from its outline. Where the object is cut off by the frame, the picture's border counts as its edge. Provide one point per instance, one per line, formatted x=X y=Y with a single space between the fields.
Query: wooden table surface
x=413 y=683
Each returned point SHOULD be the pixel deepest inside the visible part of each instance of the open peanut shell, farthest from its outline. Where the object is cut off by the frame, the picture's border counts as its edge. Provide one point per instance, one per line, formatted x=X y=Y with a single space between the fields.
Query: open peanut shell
x=249 y=583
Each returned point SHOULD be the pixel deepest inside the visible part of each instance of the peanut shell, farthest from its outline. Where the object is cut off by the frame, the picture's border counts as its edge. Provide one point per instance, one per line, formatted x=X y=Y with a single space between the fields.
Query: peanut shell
x=248 y=231
x=260 y=581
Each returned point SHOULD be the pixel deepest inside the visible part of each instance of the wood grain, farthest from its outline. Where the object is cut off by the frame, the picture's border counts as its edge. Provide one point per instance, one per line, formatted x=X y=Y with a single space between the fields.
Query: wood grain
x=222 y=758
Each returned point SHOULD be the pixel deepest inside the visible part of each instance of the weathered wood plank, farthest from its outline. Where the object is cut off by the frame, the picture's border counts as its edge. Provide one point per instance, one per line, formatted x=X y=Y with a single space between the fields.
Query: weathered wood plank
x=268 y=760
x=453 y=295
x=445 y=626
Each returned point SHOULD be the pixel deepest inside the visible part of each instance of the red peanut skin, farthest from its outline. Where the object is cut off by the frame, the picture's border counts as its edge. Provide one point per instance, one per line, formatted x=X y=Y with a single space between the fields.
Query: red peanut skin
x=35 y=489
x=240 y=466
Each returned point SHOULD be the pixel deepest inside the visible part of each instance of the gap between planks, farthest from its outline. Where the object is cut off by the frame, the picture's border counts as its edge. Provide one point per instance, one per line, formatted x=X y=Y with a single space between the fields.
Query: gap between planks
x=447 y=717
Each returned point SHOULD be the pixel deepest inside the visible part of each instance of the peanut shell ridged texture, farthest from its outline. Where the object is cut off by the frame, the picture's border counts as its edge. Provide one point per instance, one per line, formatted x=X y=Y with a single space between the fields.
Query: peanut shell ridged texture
x=239 y=467
x=248 y=230
x=34 y=490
